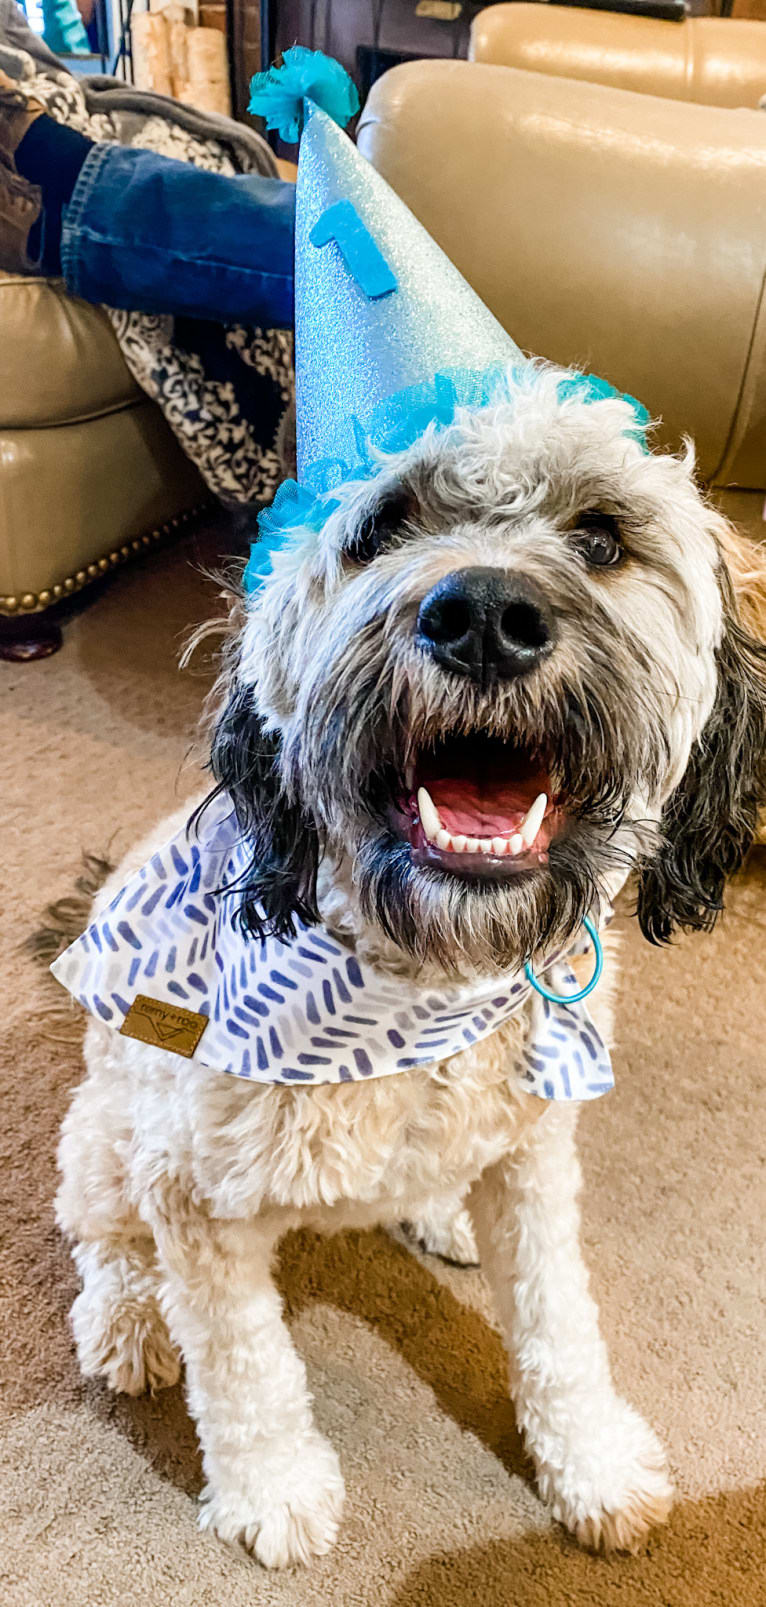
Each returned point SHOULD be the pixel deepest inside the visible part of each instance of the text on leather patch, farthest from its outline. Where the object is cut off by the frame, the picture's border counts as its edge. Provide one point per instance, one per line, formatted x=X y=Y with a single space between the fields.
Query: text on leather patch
x=166 y=1026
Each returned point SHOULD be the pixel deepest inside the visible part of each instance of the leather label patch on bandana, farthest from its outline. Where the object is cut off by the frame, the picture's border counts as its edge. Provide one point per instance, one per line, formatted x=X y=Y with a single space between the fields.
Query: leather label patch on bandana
x=166 y=1026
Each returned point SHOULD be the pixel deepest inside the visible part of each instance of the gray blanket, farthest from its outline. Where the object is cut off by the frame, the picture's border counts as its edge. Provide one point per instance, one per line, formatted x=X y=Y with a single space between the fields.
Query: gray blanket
x=223 y=388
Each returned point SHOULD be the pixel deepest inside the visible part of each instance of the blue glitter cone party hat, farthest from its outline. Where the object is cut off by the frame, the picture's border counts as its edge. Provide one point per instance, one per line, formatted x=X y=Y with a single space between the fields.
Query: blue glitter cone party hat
x=388 y=335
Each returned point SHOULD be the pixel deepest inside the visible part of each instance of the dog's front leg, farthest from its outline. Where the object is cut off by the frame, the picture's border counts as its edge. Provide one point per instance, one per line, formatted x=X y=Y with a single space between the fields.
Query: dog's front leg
x=598 y=1463
x=273 y=1481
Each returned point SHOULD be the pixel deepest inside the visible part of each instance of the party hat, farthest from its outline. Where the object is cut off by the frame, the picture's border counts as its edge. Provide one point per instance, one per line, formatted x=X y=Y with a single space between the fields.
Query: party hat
x=389 y=336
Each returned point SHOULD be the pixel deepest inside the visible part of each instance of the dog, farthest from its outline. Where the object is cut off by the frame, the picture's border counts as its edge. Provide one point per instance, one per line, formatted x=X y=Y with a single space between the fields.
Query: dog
x=525 y=604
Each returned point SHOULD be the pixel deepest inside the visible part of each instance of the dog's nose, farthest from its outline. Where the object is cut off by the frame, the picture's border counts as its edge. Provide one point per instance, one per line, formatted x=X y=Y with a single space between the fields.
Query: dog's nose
x=486 y=623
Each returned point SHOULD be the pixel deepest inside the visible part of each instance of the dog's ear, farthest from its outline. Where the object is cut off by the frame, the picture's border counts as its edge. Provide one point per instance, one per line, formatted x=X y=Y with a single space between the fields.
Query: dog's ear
x=710 y=821
x=280 y=881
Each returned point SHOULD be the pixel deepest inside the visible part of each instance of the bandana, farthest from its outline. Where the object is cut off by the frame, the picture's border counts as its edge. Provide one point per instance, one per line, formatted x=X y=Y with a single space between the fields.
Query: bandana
x=168 y=963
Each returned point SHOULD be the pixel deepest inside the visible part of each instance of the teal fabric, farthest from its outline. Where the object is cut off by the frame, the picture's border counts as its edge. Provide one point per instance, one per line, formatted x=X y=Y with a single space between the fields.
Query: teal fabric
x=395 y=425
x=64 y=30
x=279 y=94
x=341 y=225
x=593 y=389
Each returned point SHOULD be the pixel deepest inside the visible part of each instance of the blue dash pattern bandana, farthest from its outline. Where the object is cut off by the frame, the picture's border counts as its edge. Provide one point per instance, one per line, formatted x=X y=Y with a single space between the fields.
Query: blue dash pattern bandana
x=169 y=949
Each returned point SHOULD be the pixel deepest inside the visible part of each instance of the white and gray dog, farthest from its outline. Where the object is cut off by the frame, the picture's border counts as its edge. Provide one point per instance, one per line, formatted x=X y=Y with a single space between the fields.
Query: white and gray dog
x=509 y=669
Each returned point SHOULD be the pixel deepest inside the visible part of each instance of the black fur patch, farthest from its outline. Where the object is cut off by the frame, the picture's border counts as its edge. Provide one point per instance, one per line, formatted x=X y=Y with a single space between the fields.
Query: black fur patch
x=711 y=820
x=383 y=521
x=280 y=881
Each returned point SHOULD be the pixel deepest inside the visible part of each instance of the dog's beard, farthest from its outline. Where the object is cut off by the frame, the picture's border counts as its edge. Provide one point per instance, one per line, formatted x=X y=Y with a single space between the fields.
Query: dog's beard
x=491 y=925
x=467 y=912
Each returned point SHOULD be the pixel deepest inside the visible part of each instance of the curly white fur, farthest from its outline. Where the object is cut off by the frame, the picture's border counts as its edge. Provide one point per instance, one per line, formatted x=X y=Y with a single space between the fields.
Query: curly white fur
x=177 y=1182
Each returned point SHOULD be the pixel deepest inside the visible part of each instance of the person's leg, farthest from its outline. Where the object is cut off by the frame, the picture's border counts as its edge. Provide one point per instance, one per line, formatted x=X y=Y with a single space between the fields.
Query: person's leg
x=145 y=231
x=140 y=231
x=48 y=157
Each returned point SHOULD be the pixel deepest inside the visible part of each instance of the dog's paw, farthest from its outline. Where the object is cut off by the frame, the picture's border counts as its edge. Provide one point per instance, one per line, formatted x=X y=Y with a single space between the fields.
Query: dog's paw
x=450 y=1236
x=294 y=1518
x=123 y=1339
x=613 y=1487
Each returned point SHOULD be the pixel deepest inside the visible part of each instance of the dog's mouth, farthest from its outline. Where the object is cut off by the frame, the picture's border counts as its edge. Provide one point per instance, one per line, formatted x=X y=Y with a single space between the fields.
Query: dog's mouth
x=478 y=807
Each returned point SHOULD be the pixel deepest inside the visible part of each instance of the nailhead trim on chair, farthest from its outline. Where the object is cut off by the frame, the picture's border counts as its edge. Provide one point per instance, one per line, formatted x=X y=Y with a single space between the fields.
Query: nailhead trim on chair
x=31 y=602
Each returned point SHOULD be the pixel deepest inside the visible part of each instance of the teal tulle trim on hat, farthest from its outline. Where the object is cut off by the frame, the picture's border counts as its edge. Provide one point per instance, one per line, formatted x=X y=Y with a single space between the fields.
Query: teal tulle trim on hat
x=279 y=94
x=400 y=420
x=395 y=425
x=294 y=508
x=592 y=389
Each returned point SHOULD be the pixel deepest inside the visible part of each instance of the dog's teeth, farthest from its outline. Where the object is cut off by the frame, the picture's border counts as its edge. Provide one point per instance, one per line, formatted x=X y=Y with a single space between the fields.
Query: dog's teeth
x=429 y=816
x=436 y=833
x=533 y=820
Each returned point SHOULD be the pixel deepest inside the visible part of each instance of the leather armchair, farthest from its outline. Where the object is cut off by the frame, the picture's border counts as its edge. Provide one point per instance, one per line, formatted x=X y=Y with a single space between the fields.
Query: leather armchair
x=713 y=60
x=90 y=474
x=621 y=232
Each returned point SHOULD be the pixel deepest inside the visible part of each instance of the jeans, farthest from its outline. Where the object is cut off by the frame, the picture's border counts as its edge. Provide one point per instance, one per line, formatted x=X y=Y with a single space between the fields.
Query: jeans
x=148 y=233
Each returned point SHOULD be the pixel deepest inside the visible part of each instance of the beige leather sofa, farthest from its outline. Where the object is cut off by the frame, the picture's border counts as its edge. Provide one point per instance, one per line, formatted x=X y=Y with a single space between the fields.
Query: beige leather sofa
x=619 y=231
x=90 y=474
x=714 y=60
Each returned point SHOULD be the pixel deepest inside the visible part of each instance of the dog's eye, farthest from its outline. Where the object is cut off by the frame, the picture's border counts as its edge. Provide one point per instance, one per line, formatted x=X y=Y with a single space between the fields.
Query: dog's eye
x=596 y=536
x=377 y=528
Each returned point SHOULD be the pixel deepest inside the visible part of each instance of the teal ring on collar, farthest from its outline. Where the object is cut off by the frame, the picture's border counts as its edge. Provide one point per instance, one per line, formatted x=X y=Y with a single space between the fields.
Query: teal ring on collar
x=572 y=998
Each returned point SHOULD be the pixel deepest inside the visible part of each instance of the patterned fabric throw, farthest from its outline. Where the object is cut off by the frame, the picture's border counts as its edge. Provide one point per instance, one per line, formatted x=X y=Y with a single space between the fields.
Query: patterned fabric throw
x=170 y=953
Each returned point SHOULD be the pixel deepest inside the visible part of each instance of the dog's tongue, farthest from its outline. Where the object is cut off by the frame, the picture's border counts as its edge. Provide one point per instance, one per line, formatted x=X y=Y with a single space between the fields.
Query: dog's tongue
x=484 y=806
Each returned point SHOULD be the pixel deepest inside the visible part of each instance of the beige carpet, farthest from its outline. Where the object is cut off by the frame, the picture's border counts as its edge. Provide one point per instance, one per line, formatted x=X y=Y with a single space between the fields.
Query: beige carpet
x=98 y=1493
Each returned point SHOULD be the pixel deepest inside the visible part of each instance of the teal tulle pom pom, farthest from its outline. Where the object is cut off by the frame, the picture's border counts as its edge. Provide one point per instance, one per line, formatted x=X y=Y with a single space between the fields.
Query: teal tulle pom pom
x=278 y=95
